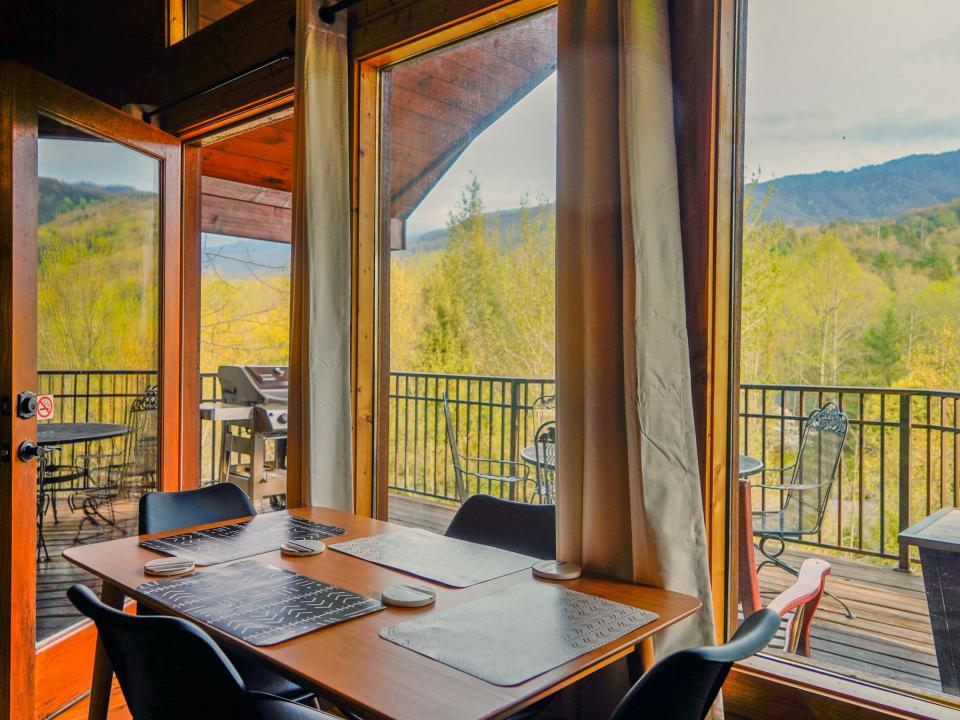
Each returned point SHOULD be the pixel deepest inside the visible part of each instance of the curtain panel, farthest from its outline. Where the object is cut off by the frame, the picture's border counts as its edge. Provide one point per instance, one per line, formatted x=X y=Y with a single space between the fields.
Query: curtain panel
x=320 y=450
x=629 y=496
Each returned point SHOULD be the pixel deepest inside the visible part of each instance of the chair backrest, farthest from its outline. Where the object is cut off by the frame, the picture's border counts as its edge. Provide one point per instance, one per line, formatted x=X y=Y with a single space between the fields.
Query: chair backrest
x=545 y=449
x=458 y=474
x=544 y=408
x=160 y=512
x=684 y=685
x=140 y=444
x=815 y=469
x=167 y=667
x=519 y=527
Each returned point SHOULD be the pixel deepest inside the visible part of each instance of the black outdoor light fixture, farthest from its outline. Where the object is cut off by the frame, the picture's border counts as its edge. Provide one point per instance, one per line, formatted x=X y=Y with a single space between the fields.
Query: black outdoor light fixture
x=329 y=13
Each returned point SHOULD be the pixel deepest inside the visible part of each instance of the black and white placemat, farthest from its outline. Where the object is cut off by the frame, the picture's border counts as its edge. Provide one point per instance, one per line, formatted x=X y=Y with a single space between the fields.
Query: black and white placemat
x=453 y=562
x=221 y=544
x=513 y=635
x=257 y=603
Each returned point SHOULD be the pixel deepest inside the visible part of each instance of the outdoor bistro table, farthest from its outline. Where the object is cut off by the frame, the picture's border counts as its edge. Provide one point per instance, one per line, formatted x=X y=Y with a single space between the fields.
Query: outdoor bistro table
x=529 y=454
x=66 y=433
x=341 y=659
x=749 y=466
x=938 y=537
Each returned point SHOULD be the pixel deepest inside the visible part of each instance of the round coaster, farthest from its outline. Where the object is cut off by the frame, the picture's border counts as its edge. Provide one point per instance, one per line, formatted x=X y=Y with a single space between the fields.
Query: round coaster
x=556 y=570
x=302 y=548
x=169 y=566
x=408 y=595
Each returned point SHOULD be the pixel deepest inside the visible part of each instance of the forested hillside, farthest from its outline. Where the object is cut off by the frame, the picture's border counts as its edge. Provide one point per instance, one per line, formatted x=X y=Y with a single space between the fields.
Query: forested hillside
x=852 y=303
x=873 y=191
x=97 y=277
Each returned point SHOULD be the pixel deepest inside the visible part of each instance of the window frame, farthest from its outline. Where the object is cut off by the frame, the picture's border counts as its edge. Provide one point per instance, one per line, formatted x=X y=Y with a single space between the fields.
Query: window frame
x=766 y=679
x=371 y=253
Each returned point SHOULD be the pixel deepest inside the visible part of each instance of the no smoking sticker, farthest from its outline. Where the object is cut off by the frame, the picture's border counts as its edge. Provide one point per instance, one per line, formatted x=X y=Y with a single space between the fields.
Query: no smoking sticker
x=44 y=407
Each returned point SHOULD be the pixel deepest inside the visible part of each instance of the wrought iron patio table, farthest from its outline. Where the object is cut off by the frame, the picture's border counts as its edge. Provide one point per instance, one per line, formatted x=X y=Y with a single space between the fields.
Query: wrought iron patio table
x=67 y=433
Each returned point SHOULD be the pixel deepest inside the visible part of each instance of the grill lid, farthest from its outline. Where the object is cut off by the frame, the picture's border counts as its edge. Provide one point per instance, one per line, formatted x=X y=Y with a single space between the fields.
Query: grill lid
x=254 y=384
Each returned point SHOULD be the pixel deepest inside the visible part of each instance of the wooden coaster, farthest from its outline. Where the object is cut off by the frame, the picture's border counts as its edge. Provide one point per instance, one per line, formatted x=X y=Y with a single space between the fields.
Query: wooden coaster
x=302 y=548
x=408 y=595
x=169 y=567
x=556 y=570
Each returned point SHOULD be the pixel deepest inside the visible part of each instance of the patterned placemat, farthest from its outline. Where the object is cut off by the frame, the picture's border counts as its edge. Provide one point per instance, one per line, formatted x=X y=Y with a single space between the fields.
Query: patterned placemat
x=257 y=603
x=453 y=562
x=513 y=635
x=239 y=540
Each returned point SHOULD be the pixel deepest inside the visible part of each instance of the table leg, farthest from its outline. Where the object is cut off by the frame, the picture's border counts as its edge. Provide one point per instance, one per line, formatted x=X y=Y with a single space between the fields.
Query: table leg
x=102 y=671
x=647 y=653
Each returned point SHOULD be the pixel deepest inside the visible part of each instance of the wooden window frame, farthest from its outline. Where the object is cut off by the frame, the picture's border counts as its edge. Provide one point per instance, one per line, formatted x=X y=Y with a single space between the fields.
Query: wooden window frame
x=763 y=686
x=192 y=147
x=371 y=257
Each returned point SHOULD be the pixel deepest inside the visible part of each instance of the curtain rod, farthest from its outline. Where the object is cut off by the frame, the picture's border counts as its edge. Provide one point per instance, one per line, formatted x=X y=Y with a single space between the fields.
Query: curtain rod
x=280 y=56
x=329 y=13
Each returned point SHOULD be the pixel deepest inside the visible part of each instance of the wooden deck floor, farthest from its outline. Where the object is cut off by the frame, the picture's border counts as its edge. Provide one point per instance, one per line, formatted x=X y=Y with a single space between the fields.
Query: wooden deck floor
x=889 y=638
x=54 y=576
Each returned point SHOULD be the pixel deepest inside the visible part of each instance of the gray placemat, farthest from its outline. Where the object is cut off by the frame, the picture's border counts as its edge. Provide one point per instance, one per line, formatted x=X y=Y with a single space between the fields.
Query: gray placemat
x=513 y=635
x=258 y=603
x=456 y=563
x=239 y=540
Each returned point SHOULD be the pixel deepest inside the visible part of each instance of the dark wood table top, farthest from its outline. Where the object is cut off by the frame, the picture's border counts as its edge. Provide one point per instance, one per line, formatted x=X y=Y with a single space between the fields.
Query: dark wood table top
x=76 y=432
x=350 y=662
x=939 y=531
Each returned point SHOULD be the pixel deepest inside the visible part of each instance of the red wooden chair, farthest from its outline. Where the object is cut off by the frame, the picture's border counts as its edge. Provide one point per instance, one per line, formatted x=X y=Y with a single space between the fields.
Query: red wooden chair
x=797 y=603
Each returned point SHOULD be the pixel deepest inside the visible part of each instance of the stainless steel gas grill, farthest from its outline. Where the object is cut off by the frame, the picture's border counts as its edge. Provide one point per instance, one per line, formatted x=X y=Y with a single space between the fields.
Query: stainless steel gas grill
x=253 y=413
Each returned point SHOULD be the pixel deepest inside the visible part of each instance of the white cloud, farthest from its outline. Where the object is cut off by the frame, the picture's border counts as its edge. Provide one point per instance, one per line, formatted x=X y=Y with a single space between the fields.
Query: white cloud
x=833 y=85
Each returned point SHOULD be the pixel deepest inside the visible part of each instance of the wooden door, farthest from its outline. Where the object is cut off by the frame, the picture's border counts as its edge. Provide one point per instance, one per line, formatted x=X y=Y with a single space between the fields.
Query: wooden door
x=90 y=279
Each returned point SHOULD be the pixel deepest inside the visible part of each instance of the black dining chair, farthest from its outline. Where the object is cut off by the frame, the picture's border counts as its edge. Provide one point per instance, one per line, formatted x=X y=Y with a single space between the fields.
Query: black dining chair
x=685 y=684
x=519 y=527
x=161 y=512
x=170 y=668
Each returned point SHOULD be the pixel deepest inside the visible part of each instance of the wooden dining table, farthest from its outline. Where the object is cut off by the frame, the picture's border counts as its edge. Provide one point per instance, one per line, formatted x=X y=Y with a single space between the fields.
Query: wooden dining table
x=350 y=662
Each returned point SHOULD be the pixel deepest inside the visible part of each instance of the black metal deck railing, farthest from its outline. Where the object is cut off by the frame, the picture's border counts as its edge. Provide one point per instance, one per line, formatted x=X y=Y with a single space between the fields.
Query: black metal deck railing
x=493 y=417
x=901 y=460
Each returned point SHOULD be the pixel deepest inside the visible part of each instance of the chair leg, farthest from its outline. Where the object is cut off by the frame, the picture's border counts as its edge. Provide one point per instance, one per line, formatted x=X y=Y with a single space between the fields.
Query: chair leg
x=773 y=558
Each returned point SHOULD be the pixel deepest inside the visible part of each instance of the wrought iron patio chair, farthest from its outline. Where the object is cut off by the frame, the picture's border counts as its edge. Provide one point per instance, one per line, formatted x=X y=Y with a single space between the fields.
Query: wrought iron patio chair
x=134 y=473
x=544 y=409
x=800 y=503
x=545 y=449
x=481 y=469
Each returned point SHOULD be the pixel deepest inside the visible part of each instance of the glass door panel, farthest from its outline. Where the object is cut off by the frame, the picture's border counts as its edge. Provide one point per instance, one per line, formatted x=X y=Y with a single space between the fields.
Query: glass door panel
x=98 y=278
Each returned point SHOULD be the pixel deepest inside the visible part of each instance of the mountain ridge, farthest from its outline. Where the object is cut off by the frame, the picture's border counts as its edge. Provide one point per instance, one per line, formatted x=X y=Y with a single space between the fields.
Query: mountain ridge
x=870 y=192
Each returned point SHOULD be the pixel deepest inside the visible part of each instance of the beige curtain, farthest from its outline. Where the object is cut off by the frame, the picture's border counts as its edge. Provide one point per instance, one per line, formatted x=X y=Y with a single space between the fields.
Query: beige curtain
x=319 y=455
x=629 y=499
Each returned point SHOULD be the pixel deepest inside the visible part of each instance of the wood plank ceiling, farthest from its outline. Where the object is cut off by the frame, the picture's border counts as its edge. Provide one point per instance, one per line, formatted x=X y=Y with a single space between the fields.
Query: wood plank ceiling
x=261 y=156
x=434 y=106
x=437 y=104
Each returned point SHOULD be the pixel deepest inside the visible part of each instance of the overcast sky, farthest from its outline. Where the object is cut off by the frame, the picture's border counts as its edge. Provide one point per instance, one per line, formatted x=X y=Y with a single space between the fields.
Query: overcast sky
x=837 y=84
x=101 y=163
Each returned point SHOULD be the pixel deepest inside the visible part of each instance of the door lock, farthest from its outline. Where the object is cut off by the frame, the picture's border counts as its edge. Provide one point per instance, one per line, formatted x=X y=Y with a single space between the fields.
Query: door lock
x=26 y=405
x=28 y=451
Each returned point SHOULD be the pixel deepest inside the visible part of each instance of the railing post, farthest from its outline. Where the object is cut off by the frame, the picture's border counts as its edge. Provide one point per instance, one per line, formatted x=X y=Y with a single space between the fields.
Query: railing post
x=514 y=420
x=906 y=425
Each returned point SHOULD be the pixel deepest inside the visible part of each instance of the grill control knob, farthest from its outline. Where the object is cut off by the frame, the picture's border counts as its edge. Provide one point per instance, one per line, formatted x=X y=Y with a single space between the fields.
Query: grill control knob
x=282 y=418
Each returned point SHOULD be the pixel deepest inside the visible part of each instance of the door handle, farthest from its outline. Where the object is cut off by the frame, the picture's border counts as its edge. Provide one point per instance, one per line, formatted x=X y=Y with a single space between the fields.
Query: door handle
x=29 y=450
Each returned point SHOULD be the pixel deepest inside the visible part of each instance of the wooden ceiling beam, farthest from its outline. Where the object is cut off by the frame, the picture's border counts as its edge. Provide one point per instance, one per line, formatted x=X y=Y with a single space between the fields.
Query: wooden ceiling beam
x=249 y=211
